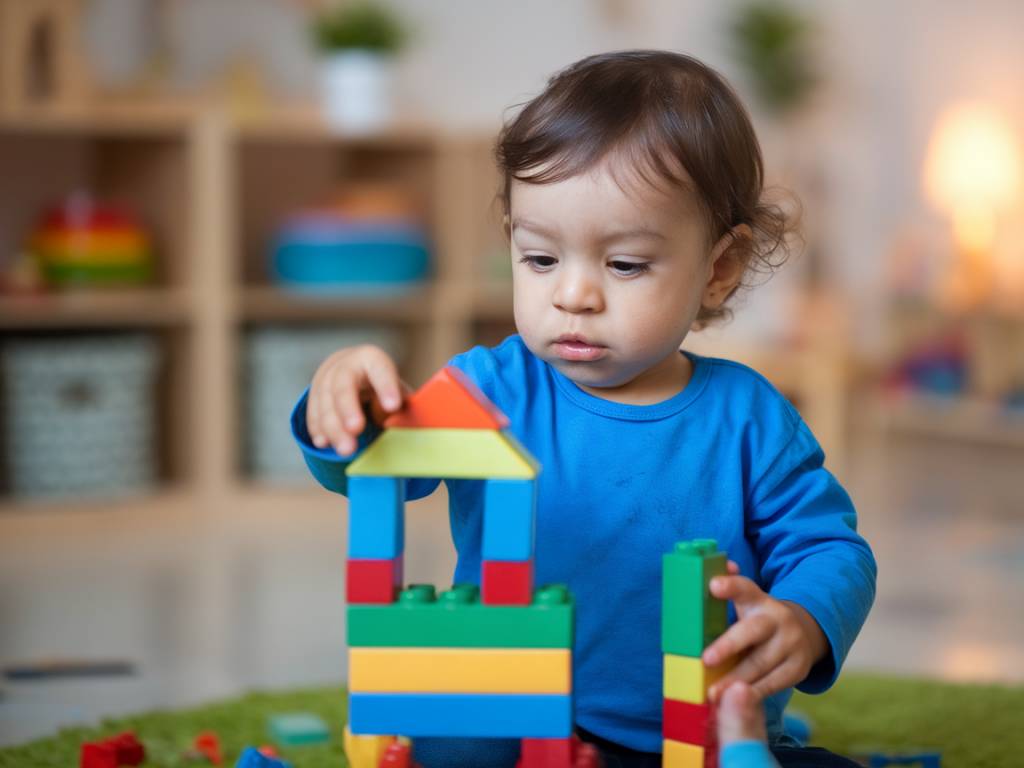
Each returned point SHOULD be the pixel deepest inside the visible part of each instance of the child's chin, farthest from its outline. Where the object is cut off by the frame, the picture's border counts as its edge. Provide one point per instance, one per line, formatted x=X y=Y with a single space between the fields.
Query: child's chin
x=598 y=374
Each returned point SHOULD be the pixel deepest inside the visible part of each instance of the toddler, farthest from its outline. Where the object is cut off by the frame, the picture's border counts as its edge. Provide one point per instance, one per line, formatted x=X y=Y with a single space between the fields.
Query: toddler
x=633 y=199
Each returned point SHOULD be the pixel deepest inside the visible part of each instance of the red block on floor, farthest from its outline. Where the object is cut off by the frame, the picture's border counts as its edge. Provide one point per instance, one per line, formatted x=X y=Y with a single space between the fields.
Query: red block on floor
x=207 y=744
x=128 y=748
x=507 y=582
x=373 y=581
x=690 y=723
x=546 y=753
x=100 y=754
x=123 y=749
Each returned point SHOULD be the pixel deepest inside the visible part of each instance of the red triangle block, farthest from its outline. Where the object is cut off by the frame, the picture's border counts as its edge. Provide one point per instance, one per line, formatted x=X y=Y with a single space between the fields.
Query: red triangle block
x=448 y=400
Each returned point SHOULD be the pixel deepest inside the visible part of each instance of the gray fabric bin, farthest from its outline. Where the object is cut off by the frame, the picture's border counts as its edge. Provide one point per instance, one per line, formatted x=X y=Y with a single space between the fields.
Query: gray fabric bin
x=79 y=415
x=279 y=364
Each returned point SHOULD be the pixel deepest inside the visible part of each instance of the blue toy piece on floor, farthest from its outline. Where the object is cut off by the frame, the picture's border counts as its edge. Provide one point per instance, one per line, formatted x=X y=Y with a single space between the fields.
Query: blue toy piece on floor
x=253 y=758
x=918 y=759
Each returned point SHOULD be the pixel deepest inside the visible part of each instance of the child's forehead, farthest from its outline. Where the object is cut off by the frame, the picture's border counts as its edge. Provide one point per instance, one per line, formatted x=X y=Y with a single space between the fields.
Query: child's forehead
x=614 y=182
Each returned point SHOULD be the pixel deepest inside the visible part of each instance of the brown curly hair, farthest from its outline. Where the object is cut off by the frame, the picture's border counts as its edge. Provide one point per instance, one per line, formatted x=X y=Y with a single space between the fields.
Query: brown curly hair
x=663 y=110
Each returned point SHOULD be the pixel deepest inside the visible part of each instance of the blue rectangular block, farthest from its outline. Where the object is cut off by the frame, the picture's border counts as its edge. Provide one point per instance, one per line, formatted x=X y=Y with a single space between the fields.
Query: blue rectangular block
x=376 y=523
x=509 y=519
x=456 y=714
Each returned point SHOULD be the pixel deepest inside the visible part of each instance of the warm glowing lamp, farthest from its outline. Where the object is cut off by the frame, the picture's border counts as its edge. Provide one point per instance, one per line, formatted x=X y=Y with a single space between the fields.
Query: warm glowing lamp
x=972 y=173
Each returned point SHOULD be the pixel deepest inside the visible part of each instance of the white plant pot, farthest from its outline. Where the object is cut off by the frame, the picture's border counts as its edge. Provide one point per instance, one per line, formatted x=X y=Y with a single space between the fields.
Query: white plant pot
x=357 y=90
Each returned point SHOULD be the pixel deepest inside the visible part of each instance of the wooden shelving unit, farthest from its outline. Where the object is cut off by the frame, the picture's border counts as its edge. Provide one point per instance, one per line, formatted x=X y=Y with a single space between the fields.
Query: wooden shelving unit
x=212 y=192
x=138 y=307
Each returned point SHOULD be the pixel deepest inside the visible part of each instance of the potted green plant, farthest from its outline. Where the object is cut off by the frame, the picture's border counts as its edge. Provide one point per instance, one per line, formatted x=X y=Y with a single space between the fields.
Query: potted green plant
x=358 y=42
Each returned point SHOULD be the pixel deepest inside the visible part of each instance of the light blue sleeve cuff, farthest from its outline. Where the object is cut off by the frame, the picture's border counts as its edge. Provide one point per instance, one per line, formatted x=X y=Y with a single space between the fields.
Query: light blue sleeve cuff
x=747 y=754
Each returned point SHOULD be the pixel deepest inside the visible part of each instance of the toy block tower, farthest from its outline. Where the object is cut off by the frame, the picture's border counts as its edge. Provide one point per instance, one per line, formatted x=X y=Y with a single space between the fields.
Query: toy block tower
x=488 y=661
x=691 y=619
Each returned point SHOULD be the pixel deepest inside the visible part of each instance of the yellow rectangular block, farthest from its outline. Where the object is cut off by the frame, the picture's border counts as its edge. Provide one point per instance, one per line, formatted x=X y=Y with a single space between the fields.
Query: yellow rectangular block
x=676 y=754
x=688 y=679
x=460 y=670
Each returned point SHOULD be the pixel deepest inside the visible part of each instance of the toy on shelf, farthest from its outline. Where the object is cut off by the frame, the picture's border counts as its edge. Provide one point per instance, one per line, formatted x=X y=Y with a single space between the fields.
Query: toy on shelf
x=86 y=243
x=369 y=241
x=938 y=366
x=493 y=661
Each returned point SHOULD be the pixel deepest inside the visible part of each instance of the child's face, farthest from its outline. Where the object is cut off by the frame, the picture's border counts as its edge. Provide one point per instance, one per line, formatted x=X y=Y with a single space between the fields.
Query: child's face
x=607 y=281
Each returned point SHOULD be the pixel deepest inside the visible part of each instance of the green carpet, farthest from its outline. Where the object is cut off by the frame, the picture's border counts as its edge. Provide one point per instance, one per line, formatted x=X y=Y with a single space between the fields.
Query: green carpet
x=972 y=725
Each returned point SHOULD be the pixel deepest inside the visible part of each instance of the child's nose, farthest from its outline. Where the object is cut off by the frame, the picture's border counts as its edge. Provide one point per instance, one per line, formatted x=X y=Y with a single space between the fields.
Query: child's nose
x=577 y=292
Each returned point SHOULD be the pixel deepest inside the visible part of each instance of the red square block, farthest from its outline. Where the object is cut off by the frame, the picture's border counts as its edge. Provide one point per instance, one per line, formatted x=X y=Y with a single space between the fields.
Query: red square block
x=546 y=753
x=690 y=723
x=506 y=582
x=373 y=581
x=101 y=754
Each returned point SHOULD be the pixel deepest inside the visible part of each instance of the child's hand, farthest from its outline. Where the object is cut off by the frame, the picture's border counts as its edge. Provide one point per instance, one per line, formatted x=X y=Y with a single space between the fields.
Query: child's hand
x=342 y=384
x=780 y=640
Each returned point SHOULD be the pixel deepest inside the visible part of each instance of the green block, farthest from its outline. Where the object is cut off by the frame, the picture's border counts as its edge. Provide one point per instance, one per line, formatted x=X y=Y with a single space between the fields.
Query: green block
x=296 y=728
x=690 y=617
x=457 y=619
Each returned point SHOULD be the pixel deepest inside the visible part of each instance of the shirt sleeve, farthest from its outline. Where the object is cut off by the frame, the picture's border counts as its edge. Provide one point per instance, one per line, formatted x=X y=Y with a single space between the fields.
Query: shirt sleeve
x=747 y=754
x=803 y=526
x=328 y=467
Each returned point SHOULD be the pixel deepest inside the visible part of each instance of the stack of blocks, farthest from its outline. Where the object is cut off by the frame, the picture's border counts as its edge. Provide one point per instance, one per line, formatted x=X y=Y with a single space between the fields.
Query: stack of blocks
x=493 y=661
x=691 y=619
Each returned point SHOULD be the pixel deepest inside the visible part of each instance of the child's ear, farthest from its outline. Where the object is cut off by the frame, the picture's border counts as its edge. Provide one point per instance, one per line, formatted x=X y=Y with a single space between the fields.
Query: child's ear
x=727 y=263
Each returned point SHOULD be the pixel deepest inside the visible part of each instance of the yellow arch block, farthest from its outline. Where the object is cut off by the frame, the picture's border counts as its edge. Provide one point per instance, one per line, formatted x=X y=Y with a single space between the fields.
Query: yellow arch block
x=676 y=754
x=472 y=454
x=460 y=670
x=688 y=679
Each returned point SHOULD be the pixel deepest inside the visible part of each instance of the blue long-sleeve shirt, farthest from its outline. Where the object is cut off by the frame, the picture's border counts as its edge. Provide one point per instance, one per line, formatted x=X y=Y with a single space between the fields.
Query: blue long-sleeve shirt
x=726 y=458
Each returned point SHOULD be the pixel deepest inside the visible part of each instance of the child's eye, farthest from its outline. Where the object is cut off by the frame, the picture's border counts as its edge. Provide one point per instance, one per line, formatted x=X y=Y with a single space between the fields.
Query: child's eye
x=539 y=262
x=629 y=268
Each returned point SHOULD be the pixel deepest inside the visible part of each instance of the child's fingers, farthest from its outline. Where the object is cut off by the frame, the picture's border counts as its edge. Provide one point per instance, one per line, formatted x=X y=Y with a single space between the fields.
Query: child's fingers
x=740 y=715
x=348 y=413
x=762 y=659
x=733 y=567
x=744 y=634
x=781 y=677
x=383 y=376
x=737 y=588
x=314 y=421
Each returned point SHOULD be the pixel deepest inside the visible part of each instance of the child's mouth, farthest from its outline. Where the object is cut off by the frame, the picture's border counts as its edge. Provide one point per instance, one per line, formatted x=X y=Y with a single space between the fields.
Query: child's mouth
x=576 y=348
